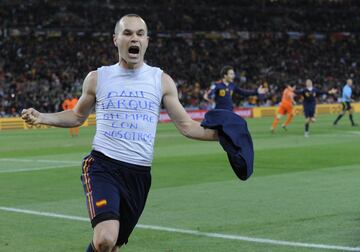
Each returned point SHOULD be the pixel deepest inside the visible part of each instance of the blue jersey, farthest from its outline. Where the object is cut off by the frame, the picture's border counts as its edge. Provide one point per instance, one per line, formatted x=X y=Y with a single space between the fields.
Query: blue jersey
x=310 y=95
x=346 y=93
x=309 y=100
x=222 y=94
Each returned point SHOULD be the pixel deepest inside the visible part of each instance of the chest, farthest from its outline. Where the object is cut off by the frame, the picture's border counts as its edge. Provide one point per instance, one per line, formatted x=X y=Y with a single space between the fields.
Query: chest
x=225 y=91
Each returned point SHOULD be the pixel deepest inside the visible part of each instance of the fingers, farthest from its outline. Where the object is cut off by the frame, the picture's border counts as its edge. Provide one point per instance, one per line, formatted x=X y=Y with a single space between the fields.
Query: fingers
x=24 y=113
x=29 y=115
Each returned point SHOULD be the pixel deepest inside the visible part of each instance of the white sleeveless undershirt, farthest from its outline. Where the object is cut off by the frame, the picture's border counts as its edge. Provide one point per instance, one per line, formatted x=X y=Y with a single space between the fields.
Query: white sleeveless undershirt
x=127 y=111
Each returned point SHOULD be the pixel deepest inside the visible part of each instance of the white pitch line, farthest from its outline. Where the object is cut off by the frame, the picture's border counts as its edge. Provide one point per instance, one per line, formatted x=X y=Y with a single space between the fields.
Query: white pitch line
x=194 y=232
x=39 y=160
x=34 y=169
x=355 y=132
x=66 y=164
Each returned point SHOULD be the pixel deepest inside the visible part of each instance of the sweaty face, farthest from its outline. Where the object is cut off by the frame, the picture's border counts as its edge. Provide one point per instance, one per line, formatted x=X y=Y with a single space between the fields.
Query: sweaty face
x=230 y=76
x=131 y=40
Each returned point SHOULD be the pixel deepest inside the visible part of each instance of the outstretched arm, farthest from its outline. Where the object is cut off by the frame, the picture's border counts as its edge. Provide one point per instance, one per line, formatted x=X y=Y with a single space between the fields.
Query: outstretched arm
x=299 y=91
x=67 y=118
x=246 y=92
x=332 y=91
x=177 y=113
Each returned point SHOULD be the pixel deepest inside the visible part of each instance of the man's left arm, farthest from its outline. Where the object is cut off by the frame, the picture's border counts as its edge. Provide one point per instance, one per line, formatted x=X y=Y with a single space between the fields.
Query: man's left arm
x=178 y=115
x=245 y=92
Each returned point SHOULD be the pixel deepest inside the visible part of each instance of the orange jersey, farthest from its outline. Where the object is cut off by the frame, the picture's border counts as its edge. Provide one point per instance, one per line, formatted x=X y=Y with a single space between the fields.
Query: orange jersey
x=66 y=105
x=287 y=97
x=69 y=103
x=73 y=102
x=285 y=109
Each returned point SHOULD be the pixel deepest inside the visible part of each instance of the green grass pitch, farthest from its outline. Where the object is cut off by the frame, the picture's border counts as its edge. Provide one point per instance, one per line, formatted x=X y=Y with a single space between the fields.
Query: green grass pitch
x=303 y=195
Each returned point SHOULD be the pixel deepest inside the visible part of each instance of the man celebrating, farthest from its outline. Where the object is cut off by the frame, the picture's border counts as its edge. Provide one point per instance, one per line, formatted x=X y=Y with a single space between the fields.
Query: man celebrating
x=221 y=92
x=127 y=98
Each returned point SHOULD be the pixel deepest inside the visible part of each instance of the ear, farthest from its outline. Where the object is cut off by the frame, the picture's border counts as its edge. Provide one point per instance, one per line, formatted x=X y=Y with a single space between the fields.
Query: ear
x=114 y=40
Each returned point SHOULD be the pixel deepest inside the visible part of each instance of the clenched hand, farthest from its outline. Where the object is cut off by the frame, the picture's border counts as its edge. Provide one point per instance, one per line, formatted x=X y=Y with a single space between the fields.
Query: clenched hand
x=30 y=116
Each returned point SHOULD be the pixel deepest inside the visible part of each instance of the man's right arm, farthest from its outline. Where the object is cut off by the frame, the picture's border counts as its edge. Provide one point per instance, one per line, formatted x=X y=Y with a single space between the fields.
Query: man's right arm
x=68 y=118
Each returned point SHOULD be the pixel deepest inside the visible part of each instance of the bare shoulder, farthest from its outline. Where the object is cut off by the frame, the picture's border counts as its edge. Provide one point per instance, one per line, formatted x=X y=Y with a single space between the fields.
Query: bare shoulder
x=90 y=82
x=167 y=84
x=92 y=75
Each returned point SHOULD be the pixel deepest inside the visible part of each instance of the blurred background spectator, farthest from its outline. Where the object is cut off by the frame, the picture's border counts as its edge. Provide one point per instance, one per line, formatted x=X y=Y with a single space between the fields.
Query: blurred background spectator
x=47 y=47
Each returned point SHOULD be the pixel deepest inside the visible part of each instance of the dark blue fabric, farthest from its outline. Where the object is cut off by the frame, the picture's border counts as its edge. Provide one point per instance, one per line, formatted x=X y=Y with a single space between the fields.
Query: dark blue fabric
x=309 y=110
x=124 y=187
x=309 y=96
x=235 y=139
x=90 y=248
x=222 y=94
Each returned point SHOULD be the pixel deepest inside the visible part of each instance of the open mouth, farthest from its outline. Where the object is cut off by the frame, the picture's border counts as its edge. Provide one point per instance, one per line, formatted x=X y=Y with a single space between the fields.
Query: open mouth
x=134 y=51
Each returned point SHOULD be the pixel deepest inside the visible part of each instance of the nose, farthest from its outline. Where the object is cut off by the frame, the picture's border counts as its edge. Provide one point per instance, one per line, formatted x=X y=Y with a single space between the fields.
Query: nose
x=134 y=37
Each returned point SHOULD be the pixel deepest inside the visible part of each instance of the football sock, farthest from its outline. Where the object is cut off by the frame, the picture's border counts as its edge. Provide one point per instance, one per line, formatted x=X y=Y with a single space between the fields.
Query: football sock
x=338 y=118
x=306 y=127
x=351 y=119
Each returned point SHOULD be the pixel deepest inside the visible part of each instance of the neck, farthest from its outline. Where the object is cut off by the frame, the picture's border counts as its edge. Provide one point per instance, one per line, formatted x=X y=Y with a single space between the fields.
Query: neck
x=127 y=65
x=225 y=81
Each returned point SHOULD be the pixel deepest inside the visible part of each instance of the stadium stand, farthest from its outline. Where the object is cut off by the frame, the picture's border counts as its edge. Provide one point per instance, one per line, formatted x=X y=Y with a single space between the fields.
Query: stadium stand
x=47 y=47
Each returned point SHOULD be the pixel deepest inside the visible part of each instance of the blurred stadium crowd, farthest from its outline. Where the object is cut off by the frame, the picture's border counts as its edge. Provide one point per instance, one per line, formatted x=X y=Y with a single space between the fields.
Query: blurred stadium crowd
x=47 y=47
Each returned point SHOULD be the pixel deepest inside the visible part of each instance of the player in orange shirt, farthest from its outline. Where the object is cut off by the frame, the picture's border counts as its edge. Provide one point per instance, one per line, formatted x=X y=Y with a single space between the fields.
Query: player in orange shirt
x=285 y=107
x=69 y=104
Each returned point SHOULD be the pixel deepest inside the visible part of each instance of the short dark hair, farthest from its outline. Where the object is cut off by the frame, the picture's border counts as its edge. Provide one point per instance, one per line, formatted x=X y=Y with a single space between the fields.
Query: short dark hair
x=116 y=29
x=225 y=70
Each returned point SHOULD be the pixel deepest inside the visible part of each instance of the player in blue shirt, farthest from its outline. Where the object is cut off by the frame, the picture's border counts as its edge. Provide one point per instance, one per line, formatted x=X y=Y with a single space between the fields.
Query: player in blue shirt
x=221 y=92
x=309 y=94
x=346 y=102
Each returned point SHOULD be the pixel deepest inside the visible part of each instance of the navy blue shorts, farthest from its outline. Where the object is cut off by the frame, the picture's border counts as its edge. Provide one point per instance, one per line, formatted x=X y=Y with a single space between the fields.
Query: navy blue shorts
x=309 y=110
x=115 y=190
